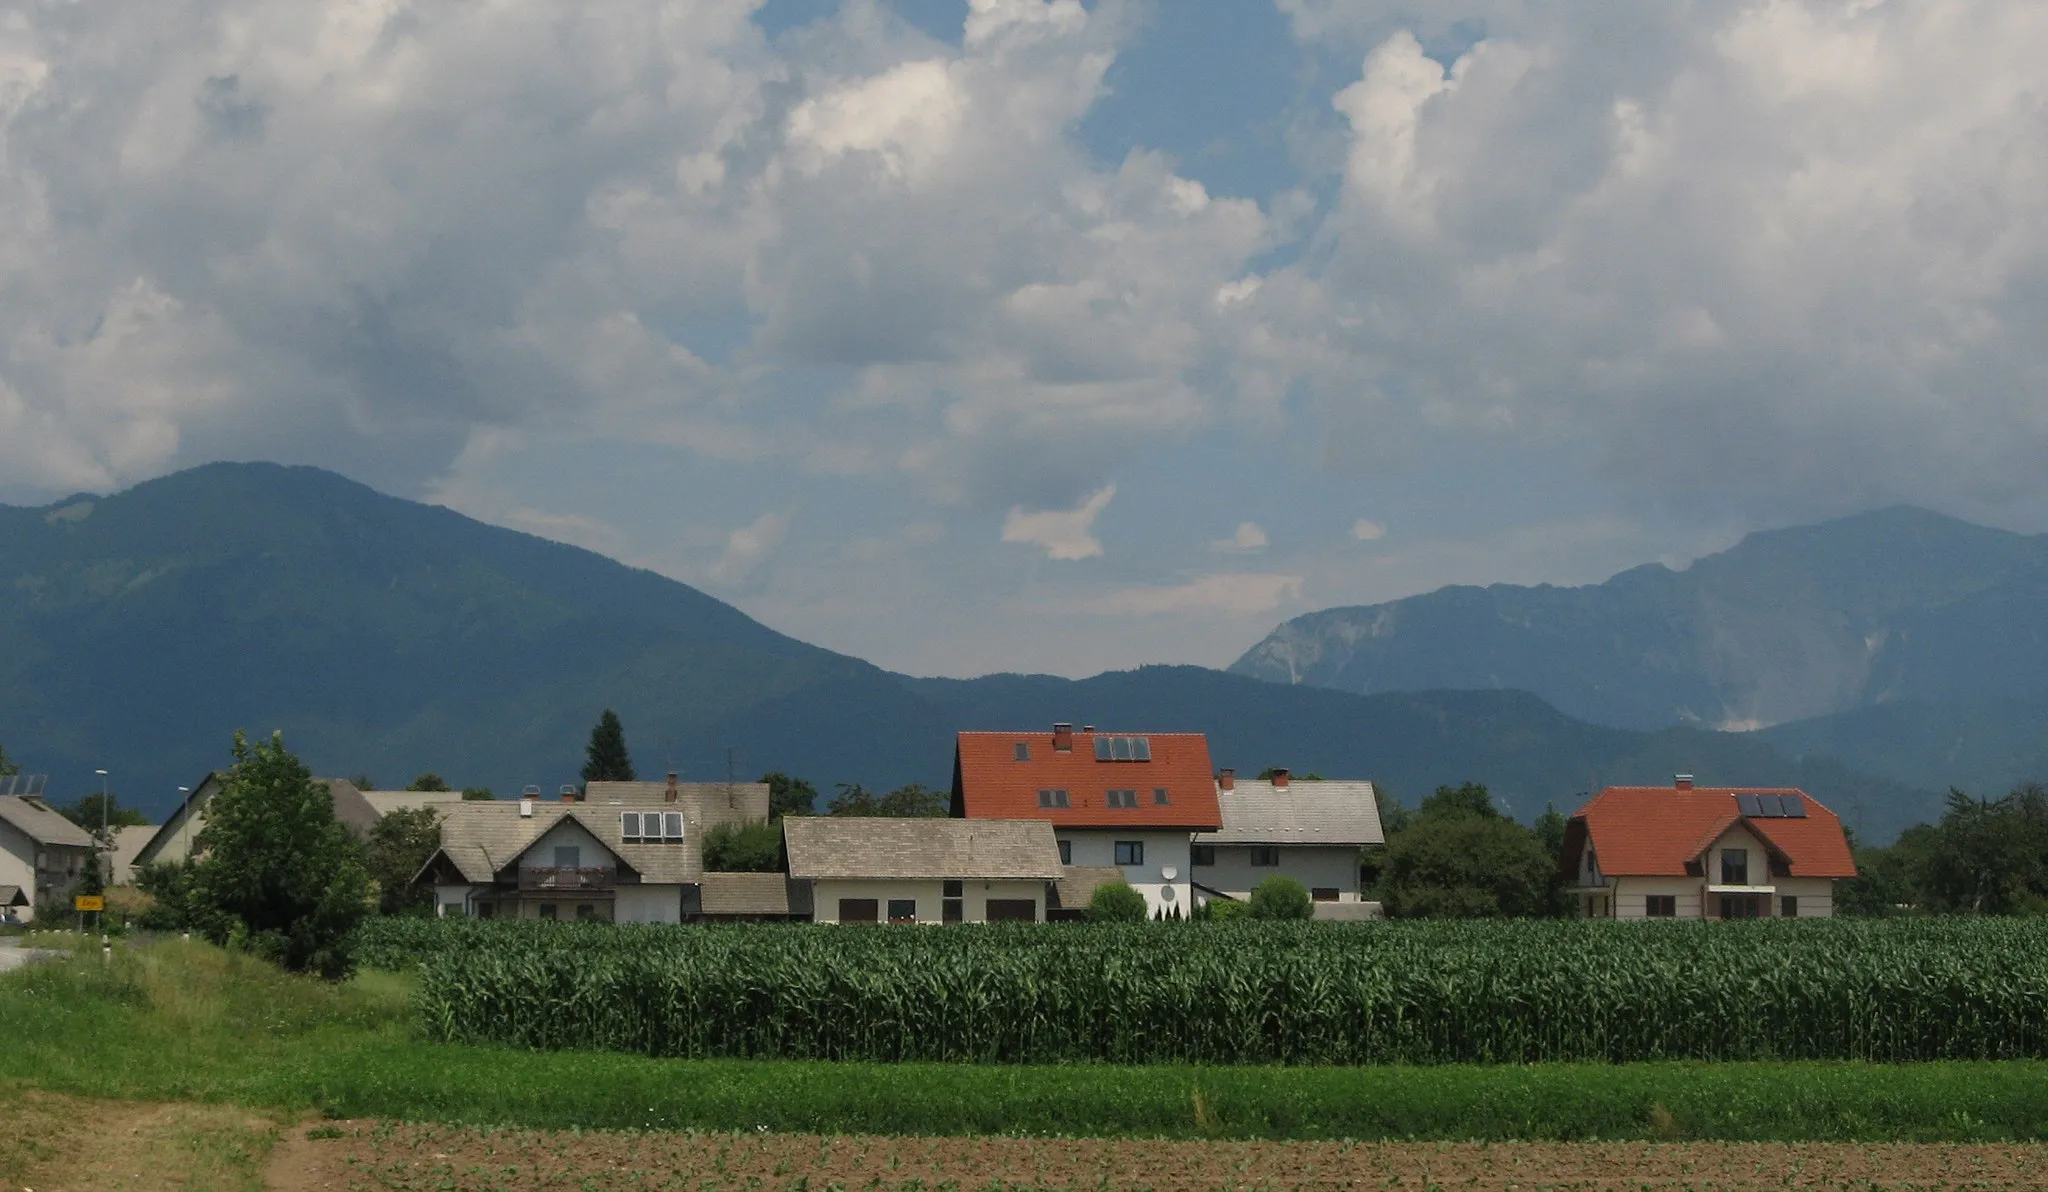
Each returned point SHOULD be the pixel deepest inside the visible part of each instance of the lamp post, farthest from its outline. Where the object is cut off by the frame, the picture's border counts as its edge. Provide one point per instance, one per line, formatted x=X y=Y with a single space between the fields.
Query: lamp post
x=106 y=846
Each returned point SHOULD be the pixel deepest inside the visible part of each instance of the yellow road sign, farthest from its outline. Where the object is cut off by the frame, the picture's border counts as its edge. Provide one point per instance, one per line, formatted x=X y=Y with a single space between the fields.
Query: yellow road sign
x=89 y=902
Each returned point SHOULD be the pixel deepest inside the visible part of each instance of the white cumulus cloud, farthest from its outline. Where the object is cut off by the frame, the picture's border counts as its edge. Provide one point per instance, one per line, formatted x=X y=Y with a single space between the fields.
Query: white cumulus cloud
x=1249 y=537
x=1061 y=533
x=1367 y=531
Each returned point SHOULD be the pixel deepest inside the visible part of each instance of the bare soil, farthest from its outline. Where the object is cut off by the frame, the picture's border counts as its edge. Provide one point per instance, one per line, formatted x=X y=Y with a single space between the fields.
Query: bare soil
x=370 y=1155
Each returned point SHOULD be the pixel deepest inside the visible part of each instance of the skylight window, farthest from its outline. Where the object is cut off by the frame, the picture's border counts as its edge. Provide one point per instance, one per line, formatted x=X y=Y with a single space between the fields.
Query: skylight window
x=1123 y=749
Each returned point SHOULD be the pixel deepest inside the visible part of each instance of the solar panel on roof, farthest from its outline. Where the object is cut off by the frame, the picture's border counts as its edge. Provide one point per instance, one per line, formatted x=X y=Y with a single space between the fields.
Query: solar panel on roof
x=1141 y=749
x=1767 y=806
x=1122 y=749
x=1795 y=806
x=1102 y=749
x=1747 y=804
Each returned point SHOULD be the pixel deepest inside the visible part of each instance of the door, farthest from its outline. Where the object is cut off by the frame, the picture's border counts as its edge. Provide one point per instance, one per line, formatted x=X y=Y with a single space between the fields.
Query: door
x=859 y=910
x=1013 y=910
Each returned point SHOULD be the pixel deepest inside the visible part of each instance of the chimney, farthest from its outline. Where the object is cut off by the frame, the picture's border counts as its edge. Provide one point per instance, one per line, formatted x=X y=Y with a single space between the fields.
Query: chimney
x=1280 y=778
x=1063 y=737
x=568 y=794
x=670 y=794
x=1227 y=780
x=526 y=808
x=1087 y=728
x=1682 y=782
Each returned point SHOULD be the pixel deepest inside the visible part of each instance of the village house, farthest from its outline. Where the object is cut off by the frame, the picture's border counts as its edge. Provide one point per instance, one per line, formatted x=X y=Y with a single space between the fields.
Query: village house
x=42 y=856
x=1312 y=830
x=177 y=836
x=626 y=852
x=881 y=870
x=1129 y=801
x=1692 y=852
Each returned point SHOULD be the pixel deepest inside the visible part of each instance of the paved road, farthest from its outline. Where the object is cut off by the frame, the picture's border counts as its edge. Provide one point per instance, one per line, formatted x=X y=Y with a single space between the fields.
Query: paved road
x=13 y=955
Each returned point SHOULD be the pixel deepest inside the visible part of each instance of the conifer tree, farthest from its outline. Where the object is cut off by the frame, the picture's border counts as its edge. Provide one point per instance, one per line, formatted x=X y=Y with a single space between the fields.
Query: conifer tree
x=607 y=760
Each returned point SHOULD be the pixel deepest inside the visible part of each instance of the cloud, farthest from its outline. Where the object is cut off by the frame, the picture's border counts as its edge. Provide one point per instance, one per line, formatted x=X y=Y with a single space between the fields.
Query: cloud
x=1063 y=533
x=1249 y=537
x=1234 y=593
x=748 y=547
x=1367 y=531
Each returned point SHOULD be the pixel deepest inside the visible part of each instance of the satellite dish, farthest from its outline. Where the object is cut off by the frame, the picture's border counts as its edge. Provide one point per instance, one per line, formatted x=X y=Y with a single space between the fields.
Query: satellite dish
x=1168 y=872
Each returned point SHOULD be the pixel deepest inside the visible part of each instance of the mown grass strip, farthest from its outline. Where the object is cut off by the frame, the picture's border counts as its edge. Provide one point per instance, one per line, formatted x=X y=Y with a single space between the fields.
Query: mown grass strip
x=187 y=1022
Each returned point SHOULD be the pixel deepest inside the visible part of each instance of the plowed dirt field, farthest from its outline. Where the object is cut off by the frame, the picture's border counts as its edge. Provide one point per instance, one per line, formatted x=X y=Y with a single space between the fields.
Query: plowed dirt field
x=368 y=1155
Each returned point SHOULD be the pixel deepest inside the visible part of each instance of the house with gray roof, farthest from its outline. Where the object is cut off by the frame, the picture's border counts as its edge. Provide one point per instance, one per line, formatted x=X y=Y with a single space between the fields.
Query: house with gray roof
x=177 y=837
x=1312 y=830
x=42 y=856
x=877 y=870
x=626 y=852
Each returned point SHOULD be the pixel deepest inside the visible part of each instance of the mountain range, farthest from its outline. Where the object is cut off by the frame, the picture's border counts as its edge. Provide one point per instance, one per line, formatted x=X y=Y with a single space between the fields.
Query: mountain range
x=138 y=631
x=1899 y=609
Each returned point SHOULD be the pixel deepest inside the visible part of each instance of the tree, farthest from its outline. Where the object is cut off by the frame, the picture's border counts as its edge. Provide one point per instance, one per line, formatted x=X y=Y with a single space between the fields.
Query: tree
x=477 y=794
x=363 y=782
x=1281 y=897
x=1990 y=856
x=789 y=796
x=914 y=801
x=167 y=884
x=86 y=813
x=1549 y=829
x=428 y=781
x=1889 y=879
x=1394 y=816
x=1116 y=902
x=743 y=848
x=606 y=759
x=398 y=847
x=1266 y=775
x=1461 y=858
x=7 y=768
x=276 y=872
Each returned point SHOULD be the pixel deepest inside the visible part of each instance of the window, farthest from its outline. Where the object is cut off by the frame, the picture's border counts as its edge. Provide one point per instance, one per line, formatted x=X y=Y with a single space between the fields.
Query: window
x=1202 y=854
x=547 y=910
x=1159 y=798
x=1265 y=856
x=1066 y=852
x=1734 y=867
x=1130 y=852
x=953 y=888
x=485 y=910
x=903 y=910
x=1123 y=798
x=1123 y=749
x=858 y=910
x=1012 y=910
x=1661 y=906
x=629 y=826
x=568 y=856
x=1788 y=907
x=1741 y=906
x=1323 y=894
x=585 y=912
x=1023 y=751
x=1054 y=798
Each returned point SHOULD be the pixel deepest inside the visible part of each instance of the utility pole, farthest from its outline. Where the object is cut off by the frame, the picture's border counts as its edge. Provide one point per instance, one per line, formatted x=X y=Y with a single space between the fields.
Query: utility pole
x=106 y=847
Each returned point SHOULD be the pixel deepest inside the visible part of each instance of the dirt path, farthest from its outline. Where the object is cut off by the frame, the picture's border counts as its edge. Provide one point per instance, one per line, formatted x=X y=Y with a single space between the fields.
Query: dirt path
x=368 y=1155
x=62 y=1144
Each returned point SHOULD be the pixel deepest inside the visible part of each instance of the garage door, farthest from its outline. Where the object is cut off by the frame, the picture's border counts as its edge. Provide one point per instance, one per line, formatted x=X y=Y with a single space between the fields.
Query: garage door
x=1010 y=910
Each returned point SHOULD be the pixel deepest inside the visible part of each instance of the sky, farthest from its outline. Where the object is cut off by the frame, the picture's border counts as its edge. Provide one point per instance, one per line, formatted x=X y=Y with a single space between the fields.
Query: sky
x=1033 y=335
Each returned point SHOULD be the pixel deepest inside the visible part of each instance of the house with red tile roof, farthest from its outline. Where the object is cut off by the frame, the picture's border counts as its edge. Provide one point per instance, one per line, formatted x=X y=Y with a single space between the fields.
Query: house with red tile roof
x=1693 y=852
x=1131 y=801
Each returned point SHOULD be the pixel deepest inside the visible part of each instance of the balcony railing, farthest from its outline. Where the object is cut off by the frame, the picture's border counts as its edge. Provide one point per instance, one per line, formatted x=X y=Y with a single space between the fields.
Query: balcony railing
x=555 y=878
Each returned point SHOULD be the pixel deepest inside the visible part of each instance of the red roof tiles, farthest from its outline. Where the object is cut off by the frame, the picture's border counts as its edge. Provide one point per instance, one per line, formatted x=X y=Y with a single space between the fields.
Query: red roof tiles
x=1652 y=831
x=991 y=782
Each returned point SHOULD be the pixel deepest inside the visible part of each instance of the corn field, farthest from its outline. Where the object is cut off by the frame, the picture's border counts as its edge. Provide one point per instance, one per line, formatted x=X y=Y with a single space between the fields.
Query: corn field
x=1240 y=993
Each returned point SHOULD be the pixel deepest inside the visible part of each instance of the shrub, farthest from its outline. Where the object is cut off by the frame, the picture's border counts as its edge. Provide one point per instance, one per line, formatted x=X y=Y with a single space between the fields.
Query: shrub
x=743 y=848
x=1280 y=897
x=1116 y=902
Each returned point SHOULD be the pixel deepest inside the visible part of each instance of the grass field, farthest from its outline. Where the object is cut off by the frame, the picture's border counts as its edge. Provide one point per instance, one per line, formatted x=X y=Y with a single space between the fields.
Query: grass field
x=189 y=1023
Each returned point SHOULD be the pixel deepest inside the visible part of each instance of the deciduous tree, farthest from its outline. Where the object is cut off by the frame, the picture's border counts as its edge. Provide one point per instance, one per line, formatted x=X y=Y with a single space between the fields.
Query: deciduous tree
x=1281 y=897
x=789 y=795
x=1461 y=858
x=276 y=870
x=743 y=848
x=397 y=848
x=1116 y=902
x=428 y=781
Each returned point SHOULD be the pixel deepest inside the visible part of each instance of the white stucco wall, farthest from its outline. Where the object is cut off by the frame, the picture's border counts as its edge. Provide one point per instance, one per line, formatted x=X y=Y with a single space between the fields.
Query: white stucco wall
x=1311 y=865
x=18 y=868
x=648 y=903
x=1163 y=850
x=1631 y=895
x=928 y=894
x=591 y=852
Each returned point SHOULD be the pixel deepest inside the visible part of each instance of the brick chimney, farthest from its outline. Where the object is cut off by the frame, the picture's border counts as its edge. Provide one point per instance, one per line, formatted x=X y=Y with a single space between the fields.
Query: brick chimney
x=1063 y=737
x=1227 y=780
x=568 y=794
x=1280 y=778
x=1682 y=782
x=670 y=794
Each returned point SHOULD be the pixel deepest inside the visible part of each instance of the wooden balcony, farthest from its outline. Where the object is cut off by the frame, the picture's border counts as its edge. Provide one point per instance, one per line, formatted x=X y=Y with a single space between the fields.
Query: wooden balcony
x=568 y=880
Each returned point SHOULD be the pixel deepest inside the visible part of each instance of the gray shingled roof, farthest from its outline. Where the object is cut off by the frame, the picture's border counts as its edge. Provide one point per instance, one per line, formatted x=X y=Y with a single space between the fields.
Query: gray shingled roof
x=350 y=808
x=1307 y=811
x=482 y=838
x=1076 y=887
x=37 y=822
x=863 y=847
x=386 y=802
x=744 y=894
